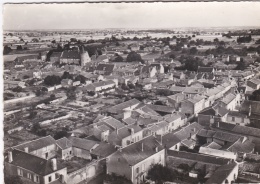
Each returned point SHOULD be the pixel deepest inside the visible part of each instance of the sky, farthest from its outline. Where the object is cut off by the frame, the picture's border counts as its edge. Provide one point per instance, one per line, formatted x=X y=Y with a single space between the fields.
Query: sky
x=130 y=15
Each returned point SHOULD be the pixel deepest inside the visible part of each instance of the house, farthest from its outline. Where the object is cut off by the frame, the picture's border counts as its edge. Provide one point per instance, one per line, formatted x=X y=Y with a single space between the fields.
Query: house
x=212 y=114
x=125 y=106
x=105 y=69
x=159 y=67
x=66 y=83
x=225 y=174
x=44 y=147
x=146 y=153
x=239 y=118
x=254 y=83
x=55 y=57
x=101 y=86
x=125 y=136
x=35 y=169
x=252 y=110
x=192 y=105
x=175 y=120
x=206 y=69
x=176 y=99
x=64 y=146
x=70 y=57
x=13 y=84
x=230 y=101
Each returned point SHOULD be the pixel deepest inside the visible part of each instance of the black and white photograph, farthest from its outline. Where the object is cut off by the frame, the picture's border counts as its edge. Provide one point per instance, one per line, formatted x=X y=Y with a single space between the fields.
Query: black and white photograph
x=130 y=92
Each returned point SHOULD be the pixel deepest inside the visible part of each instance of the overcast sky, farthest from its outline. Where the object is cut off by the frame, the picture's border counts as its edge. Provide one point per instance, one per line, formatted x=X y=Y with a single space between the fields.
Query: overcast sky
x=130 y=15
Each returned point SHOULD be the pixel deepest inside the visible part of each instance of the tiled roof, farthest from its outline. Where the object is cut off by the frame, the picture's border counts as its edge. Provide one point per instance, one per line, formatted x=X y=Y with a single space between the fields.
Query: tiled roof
x=206 y=133
x=242 y=147
x=124 y=105
x=170 y=140
x=221 y=173
x=112 y=122
x=108 y=68
x=198 y=157
x=36 y=144
x=254 y=105
x=161 y=108
x=117 y=135
x=228 y=98
x=82 y=143
x=205 y=69
x=33 y=163
x=226 y=136
x=104 y=149
x=70 y=54
x=212 y=145
x=134 y=154
x=63 y=143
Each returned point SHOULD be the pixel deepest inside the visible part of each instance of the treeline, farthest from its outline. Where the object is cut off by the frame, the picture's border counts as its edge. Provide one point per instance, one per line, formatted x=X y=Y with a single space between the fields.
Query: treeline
x=244 y=39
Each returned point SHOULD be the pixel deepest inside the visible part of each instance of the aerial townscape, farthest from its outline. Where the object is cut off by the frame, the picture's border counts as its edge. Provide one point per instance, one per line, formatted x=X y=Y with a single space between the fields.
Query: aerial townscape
x=140 y=106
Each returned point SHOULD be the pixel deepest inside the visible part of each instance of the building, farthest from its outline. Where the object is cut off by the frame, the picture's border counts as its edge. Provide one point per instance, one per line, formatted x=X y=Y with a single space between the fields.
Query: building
x=70 y=57
x=134 y=161
x=193 y=105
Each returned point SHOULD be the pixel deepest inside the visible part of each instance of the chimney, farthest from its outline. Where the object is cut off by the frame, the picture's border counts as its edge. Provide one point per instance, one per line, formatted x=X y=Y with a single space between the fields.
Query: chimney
x=216 y=111
x=116 y=131
x=54 y=164
x=250 y=111
x=156 y=149
x=142 y=146
x=10 y=156
x=217 y=124
x=26 y=149
x=132 y=131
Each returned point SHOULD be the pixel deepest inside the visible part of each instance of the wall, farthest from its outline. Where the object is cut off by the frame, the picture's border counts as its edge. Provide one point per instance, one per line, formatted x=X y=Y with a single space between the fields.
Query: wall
x=132 y=138
x=204 y=120
x=239 y=120
x=88 y=172
x=157 y=158
x=54 y=174
x=81 y=153
x=51 y=150
x=118 y=166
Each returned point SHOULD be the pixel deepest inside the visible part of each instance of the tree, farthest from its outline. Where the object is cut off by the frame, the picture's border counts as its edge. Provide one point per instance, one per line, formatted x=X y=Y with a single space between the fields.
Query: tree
x=71 y=93
x=13 y=180
x=7 y=50
x=73 y=40
x=172 y=56
x=133 y=56
x=35 y=40
x=53 y=41
x=66 y=75
x=19 y=47
x=160 y=174
x=193 y=50
x=61 y=134
x=81 y=78
x=17 y=89
x=119 y=59
x=52 y=80
x=115 y=179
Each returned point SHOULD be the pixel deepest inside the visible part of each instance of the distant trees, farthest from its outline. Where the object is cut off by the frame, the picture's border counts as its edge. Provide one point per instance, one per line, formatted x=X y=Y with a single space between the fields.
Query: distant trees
x=7 y=50
x=160 y=174
x=19 y=47
x=190 y=63
x=244 y=39
x=73 y=40
x=52 y=80
x=193 y=50
x=61 y=134
x=133 y=56
x=17 y=89
x=35 y=40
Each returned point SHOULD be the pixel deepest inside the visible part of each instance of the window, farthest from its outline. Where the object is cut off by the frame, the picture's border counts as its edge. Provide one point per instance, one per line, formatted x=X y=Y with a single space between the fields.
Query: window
x=29 y=176
x=37 y=179
x=49 y=178
x=233 y=118
x=137 y=170
x=20 y=172
x=70 y=152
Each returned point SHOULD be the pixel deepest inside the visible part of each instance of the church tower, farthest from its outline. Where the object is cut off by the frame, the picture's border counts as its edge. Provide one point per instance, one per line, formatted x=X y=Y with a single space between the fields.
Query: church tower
x=84 y=57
